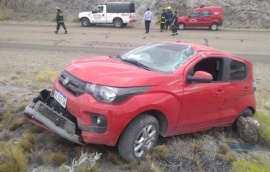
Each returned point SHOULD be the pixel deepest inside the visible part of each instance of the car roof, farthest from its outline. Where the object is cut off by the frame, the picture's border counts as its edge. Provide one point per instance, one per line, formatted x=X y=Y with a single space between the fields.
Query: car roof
x=205 y=50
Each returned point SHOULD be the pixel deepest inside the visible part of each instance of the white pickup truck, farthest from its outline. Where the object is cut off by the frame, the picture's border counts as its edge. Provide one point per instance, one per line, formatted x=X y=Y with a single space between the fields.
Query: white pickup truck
x=117 y=13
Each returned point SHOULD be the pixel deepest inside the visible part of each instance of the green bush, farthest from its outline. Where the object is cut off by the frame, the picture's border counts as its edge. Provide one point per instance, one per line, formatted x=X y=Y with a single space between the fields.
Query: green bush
x=2 y=17
x=75 y=20
x=247 y=165
x=264 y=130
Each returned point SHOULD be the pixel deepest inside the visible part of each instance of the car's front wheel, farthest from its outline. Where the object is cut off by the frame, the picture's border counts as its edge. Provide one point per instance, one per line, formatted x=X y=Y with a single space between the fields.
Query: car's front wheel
x=85 y=22
x=139 y=137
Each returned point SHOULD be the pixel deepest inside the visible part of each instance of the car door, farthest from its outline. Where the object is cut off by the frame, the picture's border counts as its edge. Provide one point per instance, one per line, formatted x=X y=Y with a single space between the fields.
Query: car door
x=238 y=90
x=194 y=19
x=98 y=15
x=206 y=18
x=202 y=104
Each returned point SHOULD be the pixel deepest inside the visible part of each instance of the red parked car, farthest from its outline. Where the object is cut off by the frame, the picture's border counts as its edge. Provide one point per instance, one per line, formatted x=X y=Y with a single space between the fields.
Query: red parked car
x=163 y=88
x=211 y=17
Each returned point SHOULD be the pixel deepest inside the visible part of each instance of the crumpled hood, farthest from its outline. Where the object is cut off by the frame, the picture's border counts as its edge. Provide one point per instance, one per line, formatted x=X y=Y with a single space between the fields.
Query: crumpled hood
x=104 y=70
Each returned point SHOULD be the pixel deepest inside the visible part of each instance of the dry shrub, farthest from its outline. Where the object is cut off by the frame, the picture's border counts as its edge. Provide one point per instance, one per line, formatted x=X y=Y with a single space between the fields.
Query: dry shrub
x=36 y=129
x=38 y=157
x=58 y=158
x=161 y=152
x=85 y=168
x=46 y=76
x=5 y=135
x=12 y=158
x=17 y=122
x=27 y=142
x=115 y=158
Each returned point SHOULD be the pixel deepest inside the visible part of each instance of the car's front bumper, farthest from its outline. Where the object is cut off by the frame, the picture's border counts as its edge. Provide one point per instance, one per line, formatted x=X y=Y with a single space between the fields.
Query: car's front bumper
x=42 y=115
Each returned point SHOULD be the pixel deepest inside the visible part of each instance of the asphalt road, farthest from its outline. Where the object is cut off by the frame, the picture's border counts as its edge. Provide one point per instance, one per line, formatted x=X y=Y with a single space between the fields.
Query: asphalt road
x=107 y=40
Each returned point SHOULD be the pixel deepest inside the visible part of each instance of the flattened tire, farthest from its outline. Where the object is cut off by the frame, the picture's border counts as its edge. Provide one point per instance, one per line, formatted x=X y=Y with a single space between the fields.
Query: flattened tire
x=214 y=27
x=118 y=22
x=85 y=22
x=181 y=26
x=138 y=138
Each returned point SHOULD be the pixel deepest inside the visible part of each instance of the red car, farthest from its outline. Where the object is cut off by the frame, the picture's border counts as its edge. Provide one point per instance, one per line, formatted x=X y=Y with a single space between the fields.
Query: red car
x=211 y=17
x=163 y=88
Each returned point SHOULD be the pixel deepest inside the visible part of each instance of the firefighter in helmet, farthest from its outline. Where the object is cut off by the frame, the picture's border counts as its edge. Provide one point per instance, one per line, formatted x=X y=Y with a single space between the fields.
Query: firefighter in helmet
x=59 y=19
x=169 y=16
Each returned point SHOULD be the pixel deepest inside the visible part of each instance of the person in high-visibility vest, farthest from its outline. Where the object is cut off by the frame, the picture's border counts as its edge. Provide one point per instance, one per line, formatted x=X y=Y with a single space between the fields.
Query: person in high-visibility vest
x=59 y=19
x=162 y=21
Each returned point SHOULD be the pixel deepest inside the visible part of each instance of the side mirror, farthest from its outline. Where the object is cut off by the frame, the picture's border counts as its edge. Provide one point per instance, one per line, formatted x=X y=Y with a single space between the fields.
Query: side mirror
x=200 y=77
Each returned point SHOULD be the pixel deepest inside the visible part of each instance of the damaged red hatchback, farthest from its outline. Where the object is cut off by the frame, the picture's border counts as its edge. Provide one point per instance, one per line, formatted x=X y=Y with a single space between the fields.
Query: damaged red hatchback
x=129 y=100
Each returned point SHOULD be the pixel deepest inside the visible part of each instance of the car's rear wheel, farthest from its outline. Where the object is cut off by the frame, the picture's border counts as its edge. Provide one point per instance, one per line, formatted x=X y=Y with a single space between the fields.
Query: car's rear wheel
x=214 y=27
x=118 y=22
x=245 y=113
x=181 y=26
x=85 y=22
x=139 y=137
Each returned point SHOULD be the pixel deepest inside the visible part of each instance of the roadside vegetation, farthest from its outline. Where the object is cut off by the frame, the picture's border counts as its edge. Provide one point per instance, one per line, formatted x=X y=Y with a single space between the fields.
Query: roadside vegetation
x=23 y=144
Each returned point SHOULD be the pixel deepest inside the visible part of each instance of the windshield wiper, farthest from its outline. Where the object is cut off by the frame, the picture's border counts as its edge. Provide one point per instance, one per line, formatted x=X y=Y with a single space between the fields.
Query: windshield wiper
x=134 y=62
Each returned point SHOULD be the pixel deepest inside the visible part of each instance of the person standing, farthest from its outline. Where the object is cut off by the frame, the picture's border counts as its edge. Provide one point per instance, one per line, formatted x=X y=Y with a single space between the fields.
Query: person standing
x=147 y=20
x=174 y=24
x=169 y=16
x=162 y=21
x=59 y=20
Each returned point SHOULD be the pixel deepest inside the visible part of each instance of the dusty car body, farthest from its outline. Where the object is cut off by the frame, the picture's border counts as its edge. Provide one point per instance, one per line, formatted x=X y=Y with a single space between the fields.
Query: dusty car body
x=163 y=88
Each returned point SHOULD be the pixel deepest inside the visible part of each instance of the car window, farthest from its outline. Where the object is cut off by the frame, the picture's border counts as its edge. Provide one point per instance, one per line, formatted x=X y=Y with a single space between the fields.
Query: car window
x=98 y=10
x=165 y=58
x=195 y=14
x=206 y=13
x=212 y=65
x=238 y=71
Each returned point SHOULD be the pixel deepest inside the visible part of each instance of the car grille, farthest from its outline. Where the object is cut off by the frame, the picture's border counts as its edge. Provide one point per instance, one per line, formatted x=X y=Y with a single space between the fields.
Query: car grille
x=72 y=84
x=56 y=118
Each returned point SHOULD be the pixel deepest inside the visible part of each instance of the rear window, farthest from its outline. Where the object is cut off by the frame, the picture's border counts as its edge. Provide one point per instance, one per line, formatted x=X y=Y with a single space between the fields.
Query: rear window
x=121 y=7
x=238 y=71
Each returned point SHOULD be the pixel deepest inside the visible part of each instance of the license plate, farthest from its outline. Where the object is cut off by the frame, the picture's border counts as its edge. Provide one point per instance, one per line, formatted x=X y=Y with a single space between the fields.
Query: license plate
x=60 y=97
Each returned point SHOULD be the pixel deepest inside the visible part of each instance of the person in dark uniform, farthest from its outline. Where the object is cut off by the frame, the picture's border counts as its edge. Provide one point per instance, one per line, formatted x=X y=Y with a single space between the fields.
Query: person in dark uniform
x=59 y=19
x=169 y=16
x=174 y=24
x=162 y=21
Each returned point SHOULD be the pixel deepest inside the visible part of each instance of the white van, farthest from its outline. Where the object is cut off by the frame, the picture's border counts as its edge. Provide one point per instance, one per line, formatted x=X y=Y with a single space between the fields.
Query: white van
x=117 y=13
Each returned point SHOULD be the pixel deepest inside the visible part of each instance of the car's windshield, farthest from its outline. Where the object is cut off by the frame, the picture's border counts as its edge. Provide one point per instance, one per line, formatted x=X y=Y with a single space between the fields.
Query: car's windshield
x=161 y=57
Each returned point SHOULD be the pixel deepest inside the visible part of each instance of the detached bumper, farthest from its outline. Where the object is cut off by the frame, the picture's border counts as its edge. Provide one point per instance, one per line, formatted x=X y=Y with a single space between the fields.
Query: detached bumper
x=42 y=115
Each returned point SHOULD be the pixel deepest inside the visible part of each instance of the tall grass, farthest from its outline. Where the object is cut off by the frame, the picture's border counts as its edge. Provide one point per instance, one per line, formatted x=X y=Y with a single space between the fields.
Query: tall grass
x=12 y=158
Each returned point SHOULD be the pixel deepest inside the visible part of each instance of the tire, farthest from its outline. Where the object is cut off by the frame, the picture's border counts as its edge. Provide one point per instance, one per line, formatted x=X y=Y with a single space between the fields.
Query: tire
x=246 y=112
x=118 y=22
x=214 y=27
x=138 y=138
x=85 y=22
x=181 y=26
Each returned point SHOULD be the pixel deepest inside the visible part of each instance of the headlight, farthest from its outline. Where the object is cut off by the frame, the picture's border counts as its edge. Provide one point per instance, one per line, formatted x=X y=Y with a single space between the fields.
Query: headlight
x=113 y=95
